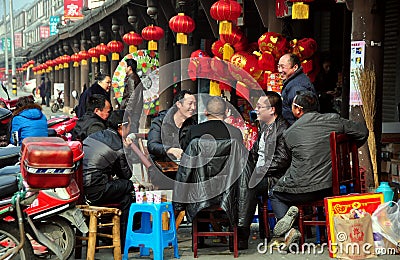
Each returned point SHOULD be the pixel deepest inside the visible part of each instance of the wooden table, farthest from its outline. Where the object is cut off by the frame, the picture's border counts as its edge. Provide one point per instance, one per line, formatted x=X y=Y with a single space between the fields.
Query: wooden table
x=167 y=167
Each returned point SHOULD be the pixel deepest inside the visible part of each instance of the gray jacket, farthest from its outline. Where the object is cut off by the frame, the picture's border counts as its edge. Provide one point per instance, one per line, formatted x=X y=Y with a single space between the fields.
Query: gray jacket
x=308 y=140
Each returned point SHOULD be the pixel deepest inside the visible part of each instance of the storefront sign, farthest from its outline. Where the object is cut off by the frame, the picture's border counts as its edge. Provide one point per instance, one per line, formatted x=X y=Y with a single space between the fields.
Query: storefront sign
x=73 y=9
x=44 y=32
x=2 y=44
x=357 y=57
x=54 y=21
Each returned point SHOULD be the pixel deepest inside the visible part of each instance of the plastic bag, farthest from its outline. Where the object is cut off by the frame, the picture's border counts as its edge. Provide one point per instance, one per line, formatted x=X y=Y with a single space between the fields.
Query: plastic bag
x=386 y=225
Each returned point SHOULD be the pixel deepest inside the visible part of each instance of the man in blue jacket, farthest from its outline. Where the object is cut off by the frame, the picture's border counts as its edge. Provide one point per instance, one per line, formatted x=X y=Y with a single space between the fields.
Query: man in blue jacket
x=294 y=80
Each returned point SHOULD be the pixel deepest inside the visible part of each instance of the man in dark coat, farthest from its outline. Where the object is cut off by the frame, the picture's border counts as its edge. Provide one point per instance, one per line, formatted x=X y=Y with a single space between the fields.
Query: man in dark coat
x=102 y=86
x=132 y=98
x=294 y=80
x=94 y=120
x=47 y=91
x=106 y=173
x=270 y=159
x=309 y=176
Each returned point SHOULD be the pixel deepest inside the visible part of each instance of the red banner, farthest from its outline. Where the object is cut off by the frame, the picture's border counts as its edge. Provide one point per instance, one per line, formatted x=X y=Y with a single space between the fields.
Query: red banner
x=18 y=40
x=73 y=9
x=44 y=32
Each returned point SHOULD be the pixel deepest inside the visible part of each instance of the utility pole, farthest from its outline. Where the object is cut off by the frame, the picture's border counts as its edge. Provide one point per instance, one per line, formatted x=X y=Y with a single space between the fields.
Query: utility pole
x=14 y=79
x=5 y=41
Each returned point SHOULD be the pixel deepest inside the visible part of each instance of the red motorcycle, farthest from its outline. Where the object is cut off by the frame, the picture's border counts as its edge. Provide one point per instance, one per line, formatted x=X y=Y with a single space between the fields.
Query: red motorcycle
x=53 y=211
x=62 y=125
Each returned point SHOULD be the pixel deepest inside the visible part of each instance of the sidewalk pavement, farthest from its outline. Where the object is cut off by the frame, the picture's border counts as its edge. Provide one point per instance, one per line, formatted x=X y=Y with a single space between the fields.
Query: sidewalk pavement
x=217 y=250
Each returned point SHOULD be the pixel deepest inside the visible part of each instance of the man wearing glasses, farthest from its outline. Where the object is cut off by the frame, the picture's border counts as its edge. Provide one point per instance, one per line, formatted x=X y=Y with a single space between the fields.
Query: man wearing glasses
x=294 y=80
x=271 y=158
x=309 y=176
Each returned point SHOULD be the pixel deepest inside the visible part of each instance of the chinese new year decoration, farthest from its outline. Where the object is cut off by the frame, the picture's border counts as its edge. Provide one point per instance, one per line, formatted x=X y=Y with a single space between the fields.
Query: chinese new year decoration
x=103 y=51
x=94 y=53
x=84 y=56
x=66 y=59
x=115 y=48
x=133 y=40
x=182 y=25
x=76 y=58
x=152 y=34
x=226 y=12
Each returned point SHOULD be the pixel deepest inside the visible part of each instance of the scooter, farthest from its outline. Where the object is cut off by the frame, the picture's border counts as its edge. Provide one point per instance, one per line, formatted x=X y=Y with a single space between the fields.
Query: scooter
x=15 y=225
x=59 y=103
x=53 y=210
x=62 y=124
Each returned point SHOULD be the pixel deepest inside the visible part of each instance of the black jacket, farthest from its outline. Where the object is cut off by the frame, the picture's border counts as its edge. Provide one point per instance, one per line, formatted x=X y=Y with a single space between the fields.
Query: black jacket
x=88 y=124
x=164 y=134
x=210 y=175
x=104 y=158
x=94 y=89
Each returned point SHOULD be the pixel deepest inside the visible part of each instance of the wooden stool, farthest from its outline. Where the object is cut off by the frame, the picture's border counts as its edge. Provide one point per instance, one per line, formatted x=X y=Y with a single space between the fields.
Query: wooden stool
x=96 y=215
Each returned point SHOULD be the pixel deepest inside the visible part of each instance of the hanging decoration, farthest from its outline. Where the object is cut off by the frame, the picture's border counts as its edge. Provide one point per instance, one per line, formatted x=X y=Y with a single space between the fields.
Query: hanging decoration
x=182 y=25
x=234 y=41
x=103 y=51
x=152 y=34
x=226 y=12
x=115 y=48
x=94 y=53
x=76 y=58
x=66 y=59
x=84 y=56
x=133 y=40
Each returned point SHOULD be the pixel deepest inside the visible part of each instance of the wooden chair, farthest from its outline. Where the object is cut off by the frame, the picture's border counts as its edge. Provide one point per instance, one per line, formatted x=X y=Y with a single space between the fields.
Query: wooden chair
x=345 y=171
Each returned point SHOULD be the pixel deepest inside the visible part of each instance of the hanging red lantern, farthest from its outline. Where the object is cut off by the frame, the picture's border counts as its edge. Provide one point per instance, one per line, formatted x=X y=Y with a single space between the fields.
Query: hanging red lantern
x=273 y=43
x=84 y=55
x=94 y=53
x=234 y=41
x=217 y=48
x=115 y=48
x=76 y=58
x=225 y=11
x=152 y=34
x=59 y=61
x=103 y=50
x=242 y=62
x=66 y=59
x=133 y=40
x=182 y=25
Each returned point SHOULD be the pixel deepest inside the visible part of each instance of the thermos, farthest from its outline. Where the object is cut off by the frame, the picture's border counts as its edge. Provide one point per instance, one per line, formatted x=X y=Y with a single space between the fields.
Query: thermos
x=386 y=190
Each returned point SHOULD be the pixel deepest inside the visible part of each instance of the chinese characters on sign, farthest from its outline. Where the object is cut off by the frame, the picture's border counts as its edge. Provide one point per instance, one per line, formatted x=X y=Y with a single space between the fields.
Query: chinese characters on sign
x=73 y=9
x=356 y=61
x=18 y=40
x=54 y=21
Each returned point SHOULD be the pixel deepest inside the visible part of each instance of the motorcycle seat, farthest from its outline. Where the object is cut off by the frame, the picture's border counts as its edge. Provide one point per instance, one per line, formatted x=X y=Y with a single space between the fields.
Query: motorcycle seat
x=10 y=170
x=9 y=155
x=8 y=185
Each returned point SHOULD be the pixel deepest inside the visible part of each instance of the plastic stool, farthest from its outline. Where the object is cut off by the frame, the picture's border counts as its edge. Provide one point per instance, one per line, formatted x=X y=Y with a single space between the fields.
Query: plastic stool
x=151 y=235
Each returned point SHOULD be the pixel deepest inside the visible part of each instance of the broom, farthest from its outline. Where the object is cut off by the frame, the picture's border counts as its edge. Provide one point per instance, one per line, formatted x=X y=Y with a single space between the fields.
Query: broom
x=366 y=84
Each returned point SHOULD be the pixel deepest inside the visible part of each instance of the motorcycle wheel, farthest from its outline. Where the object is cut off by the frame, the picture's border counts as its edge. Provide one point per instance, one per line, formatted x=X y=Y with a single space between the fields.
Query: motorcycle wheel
x=54 y=107
x=9 y=238
x=61 y=232
x=61 y=105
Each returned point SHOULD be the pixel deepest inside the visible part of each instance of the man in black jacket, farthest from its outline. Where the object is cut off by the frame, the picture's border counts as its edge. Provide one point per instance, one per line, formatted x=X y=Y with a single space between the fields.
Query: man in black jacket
x=94 y=120
x=106 y=173
x=271 y=158
x=309 y=176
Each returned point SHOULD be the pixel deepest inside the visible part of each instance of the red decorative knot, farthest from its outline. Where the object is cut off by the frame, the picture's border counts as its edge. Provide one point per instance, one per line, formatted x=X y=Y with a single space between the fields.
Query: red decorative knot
x=182 y=24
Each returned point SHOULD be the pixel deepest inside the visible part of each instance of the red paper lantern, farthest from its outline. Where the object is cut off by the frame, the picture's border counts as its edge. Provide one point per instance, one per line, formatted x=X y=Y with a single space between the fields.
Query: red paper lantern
x=217 y=48
x=76 y=58
x=66 y=59
x=182 y=25
x=152 y=34
x=234 y=41
x=115 y=48
x=273 y=43
x=225 y=11
x=103 y=50
x=243 y=61
x=84 y=55
x=94 y=53
x=132 y=39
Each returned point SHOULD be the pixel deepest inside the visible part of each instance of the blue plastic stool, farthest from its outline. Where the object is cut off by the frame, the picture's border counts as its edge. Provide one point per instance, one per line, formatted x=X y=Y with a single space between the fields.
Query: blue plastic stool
x=151 y=235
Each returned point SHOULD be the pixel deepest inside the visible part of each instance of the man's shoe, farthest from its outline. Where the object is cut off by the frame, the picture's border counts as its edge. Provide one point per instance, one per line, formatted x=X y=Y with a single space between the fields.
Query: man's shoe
x=285 y=223
x=291 y=237
x=242 y=245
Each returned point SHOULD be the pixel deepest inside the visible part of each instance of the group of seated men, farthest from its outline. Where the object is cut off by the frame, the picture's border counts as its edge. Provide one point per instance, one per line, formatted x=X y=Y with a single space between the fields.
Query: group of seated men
x=290 y=163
